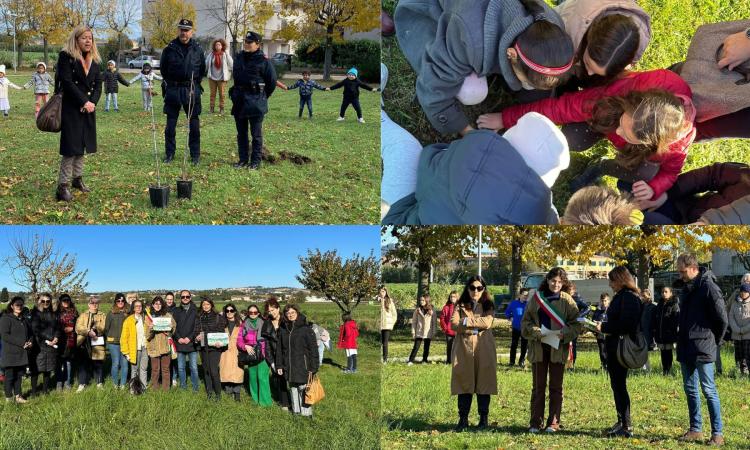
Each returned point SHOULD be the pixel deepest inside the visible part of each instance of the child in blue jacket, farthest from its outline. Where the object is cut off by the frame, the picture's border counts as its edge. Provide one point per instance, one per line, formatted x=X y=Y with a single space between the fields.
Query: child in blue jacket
x=306 y=86
x=514 y=312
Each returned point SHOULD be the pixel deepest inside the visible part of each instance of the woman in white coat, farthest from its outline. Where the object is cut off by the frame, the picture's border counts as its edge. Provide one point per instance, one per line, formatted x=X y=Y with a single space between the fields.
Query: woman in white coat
x=219 y=64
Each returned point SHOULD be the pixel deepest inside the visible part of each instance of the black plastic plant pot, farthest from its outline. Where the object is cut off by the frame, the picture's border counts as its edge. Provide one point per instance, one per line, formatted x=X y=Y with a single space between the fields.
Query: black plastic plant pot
x=159 y=196
x=185 y=189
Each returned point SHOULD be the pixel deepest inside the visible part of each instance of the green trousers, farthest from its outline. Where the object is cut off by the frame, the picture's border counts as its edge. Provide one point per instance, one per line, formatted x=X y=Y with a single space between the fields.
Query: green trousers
x=258 y=380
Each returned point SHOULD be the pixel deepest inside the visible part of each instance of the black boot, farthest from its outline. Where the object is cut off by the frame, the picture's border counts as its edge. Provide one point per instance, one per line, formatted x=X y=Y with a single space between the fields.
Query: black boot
x=78 y=184
x=63 y=193
x=354 y=363
x=463 y=424
x=236 y=396
x=483 y=424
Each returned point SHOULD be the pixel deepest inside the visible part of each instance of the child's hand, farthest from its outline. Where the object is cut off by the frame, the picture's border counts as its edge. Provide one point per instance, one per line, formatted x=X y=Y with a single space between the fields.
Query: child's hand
x=491 y=121
x=651 y=205
x=642 y=191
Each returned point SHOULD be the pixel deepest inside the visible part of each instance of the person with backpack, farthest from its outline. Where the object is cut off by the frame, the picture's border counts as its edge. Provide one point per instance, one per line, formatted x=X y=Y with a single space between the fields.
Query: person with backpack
x=623 y=319
x=348 y=333
x=250 y=340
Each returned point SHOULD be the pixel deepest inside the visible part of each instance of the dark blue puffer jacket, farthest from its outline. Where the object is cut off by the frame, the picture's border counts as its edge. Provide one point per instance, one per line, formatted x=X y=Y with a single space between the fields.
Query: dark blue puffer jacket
x=480 y=179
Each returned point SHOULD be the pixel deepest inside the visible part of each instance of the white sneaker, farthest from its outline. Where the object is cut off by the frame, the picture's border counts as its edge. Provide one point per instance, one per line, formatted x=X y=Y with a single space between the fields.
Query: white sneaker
x=361 y=120
x=340 y=119
x=174 y=382
x=410 y=363
x=99 y=386
x=81 y=387
x=533 y=430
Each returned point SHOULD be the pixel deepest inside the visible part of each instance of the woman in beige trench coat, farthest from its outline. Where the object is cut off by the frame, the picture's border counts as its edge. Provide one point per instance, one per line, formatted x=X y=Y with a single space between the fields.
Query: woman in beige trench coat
x=474 y=354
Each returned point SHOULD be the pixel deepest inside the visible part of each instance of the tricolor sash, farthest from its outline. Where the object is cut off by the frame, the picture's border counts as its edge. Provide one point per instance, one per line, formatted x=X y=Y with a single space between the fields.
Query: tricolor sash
x=548 y=309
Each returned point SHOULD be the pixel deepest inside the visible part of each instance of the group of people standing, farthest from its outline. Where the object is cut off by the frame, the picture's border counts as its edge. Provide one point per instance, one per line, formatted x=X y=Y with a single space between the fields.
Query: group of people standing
x=183 y=66
x=280 y=347
x=701 y=326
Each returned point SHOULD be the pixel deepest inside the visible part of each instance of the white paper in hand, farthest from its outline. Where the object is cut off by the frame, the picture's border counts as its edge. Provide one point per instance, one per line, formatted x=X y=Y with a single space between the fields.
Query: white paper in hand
x=550 y=337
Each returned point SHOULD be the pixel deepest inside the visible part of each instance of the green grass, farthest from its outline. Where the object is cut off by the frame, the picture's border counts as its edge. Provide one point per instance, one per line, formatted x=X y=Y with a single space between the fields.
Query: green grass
x=341 y=184
x=673 y=24
x=108 y=419
x=419 y=412
x=405 y=294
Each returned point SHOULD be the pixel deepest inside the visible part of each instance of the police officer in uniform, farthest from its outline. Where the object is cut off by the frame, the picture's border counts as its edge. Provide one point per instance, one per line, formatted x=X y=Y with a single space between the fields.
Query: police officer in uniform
x=181 y=59
x=254 y=82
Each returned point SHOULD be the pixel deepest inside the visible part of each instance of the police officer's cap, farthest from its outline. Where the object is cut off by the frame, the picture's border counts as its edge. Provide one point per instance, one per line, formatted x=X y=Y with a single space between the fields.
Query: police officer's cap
x=252 y=36
x=185 y=24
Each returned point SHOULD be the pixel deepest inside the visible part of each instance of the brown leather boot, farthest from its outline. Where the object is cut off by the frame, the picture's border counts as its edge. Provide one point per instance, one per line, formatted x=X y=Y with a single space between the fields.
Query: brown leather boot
x=63 y=193
x=716 y=440
x=78 y=184
x=691 y=436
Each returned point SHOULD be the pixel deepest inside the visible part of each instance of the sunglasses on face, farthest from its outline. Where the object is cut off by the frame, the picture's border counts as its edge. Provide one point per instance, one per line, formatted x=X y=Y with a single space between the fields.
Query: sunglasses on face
x=44 y=302
x=230 y=311
x=473 y=288
x=184 y=296
x=122 y=300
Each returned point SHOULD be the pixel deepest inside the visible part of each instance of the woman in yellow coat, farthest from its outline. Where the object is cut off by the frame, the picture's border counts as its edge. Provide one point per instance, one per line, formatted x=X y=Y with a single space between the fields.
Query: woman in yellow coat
x=133 y=341
x=557 y=311
x=474 y=354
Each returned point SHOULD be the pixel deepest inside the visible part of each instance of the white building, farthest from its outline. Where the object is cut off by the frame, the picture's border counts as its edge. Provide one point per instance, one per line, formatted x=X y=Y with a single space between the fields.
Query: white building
x=726 y=263
x=208 y=24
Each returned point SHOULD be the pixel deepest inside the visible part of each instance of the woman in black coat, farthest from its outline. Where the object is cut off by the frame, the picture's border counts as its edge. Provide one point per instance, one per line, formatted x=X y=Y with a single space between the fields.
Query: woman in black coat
x=623 y=318
x=664 y=326
x=271 y=332
x=47 y=335
x=15 y=332
x=209 y=321
x=80 y=80
x=299 y=357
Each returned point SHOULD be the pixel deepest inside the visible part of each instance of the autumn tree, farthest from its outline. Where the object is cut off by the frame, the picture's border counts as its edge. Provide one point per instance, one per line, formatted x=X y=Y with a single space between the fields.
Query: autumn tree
x=92 y=13
x=345 y=282
x=18 y=18
x=37 y=265
x=121 y=18
x=239 y=17
x=160 y=20
x=425 y=246
x=332 y=17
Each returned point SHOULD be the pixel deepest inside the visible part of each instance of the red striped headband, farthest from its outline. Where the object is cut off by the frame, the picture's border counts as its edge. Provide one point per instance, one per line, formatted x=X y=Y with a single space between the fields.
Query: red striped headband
x=554 y=71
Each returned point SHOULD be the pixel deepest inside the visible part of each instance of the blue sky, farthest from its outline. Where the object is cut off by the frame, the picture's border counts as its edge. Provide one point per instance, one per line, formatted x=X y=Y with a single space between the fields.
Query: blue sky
x=123 y=258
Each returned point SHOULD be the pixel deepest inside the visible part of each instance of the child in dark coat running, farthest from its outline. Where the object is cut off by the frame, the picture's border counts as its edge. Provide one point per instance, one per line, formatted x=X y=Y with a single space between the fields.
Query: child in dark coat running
x=348 y=341
x=351 y=93
x=306 y=86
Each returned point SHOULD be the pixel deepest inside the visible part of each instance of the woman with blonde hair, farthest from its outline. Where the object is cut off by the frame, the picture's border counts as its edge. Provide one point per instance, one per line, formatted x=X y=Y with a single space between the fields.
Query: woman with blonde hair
x=220 y=64
x=79 y=78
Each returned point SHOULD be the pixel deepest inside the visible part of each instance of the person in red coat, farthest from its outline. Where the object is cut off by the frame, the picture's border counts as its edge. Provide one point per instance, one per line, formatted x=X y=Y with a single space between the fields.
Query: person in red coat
x=348 y=333
x=651 y=153
x=445 y=322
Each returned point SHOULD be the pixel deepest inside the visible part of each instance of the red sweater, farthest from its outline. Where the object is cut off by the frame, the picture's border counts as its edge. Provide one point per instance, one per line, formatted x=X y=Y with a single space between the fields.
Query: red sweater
x=348 y=335
x=445 y=319
x=576 y=107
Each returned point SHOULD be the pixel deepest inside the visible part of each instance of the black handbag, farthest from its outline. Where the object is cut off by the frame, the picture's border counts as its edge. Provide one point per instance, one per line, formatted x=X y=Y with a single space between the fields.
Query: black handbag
x=246 y=359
